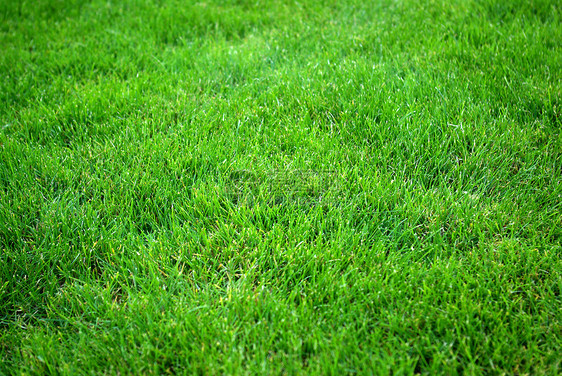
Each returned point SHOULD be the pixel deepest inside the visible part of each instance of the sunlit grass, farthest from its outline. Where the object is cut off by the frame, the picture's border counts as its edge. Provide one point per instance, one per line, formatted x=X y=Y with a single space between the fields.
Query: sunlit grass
x=284 y=187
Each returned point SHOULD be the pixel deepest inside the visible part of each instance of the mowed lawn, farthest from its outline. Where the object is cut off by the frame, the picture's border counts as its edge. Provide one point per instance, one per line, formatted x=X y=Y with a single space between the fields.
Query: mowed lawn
x=281 y=187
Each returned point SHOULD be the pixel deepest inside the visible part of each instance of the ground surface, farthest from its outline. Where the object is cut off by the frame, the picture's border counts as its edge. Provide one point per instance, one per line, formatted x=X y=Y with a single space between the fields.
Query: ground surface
x=147 y=155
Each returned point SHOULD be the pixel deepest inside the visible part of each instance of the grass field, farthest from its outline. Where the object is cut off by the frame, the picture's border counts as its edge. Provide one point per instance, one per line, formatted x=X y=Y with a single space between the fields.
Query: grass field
x=281 y=187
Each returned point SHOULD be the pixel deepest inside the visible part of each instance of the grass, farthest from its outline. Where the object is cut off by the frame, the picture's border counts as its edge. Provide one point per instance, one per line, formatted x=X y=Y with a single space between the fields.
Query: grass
x=140 y=233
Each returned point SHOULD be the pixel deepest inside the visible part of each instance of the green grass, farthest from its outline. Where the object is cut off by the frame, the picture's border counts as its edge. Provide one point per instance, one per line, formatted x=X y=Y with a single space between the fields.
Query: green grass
x=126 y=129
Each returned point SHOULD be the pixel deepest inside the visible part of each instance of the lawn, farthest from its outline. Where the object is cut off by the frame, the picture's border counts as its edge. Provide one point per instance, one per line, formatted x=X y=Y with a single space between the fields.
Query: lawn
x=281 y=187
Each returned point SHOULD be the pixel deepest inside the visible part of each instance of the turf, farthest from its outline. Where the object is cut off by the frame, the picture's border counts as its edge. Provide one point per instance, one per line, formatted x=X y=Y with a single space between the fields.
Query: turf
x=280 y=187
